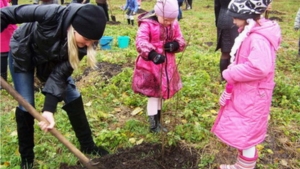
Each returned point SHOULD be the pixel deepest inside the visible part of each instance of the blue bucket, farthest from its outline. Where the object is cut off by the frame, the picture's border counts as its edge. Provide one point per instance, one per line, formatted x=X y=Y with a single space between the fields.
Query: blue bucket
x=105 y=42
x=123 y=41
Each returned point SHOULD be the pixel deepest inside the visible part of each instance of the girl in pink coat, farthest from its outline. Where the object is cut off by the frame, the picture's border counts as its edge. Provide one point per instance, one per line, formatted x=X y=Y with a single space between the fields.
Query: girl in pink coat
x=243 y=118
x=4 y=45
x=155 y=75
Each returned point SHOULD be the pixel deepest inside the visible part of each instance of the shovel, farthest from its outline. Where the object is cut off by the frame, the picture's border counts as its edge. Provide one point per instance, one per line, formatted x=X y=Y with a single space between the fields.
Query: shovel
x=82 y=158
x=113 y=17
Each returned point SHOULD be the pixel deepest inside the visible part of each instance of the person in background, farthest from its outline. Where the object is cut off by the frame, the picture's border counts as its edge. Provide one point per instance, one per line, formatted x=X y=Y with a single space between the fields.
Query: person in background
x=155 y=75
x=4 y=46
x=139 y=3
x=49 y=45
x=131 y=6
x=188 y=4
x=104 y=5
x=81 y=1
x=180 y=3
x=45 y=2
x=245 y=104
x=226 y=33
x=297 y=27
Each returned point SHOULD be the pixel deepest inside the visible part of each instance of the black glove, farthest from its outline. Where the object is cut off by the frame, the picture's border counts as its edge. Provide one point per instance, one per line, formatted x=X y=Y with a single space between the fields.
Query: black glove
x=171 y=46
x=156 y=58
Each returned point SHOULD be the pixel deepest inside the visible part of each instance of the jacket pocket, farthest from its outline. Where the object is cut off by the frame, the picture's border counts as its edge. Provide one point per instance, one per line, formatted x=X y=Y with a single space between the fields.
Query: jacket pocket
x=252 y=99
x=22 y=54
x=243 y=98
x=263 y=98
x=144 y=81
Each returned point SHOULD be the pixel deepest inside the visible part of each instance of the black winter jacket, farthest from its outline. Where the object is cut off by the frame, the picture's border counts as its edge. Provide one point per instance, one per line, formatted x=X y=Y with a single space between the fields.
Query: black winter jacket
x=41 y=44
x=222 y=19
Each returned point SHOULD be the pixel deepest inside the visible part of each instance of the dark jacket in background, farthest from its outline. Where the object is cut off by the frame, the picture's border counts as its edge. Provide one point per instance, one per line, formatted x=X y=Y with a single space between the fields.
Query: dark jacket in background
x=80 y=1
x=223 y=20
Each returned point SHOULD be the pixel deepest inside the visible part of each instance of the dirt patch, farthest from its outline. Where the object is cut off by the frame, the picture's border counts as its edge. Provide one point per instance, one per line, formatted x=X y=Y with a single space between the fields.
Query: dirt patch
x=103 y=72
x=147 y=156
x=140 y=11
x=276 y=18
x=113 y=22
x=208 y=43
x=276 y=12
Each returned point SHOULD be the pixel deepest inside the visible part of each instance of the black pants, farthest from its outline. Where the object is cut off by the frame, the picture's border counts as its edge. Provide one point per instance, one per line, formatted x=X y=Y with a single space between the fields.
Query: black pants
x=14 y=2
x=225 y=38
x=105 y=8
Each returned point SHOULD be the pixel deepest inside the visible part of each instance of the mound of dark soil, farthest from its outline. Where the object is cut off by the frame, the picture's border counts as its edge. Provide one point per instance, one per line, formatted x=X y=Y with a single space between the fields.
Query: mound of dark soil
x=140 y=11
x=276 y=18
x=146 y=156
x=276 y=12
x=113 y=22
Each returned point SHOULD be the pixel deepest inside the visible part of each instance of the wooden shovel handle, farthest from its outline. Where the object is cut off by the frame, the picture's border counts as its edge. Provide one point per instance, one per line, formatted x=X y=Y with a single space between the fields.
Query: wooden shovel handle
x=83 y=159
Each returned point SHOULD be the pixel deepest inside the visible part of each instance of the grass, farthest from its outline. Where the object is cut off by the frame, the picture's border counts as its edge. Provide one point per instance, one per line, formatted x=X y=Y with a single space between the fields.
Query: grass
x=189 y=115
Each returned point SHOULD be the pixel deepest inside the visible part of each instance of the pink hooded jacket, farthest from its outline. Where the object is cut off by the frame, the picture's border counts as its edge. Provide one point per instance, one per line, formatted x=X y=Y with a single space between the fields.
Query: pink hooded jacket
x=242 y=122
x=162 y=80
x=7 y=33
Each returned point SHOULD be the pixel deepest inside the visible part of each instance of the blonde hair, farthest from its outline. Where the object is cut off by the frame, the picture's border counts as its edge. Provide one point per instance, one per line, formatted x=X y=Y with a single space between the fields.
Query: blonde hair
x=73 y=51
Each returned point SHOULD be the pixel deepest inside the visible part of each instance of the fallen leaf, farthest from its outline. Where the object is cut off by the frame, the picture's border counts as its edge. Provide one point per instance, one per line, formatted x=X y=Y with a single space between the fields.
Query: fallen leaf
x=132 y=140
x=136 y=111
x=14 y=133
x=139 y=142
x=213 y=112
x=284 y=162
x=205 y=115
x=167 y=121
x=5 y=164
x=260 y=147
x=88 y=103
x=270 y=151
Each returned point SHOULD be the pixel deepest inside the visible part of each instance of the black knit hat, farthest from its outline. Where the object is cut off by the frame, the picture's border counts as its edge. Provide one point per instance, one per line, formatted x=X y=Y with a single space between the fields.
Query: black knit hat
x=89 y=21
x=246 y=9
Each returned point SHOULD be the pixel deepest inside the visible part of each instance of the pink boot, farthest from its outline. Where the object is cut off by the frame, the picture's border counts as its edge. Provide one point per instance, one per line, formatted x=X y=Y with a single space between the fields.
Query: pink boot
x=242 y=163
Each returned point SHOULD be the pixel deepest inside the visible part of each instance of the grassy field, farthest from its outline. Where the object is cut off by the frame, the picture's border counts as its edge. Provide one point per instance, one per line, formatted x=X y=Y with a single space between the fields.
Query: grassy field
x=118 y=116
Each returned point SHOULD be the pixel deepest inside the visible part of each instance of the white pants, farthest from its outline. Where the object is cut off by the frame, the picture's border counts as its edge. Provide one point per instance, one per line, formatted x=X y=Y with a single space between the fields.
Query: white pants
x=153 y=105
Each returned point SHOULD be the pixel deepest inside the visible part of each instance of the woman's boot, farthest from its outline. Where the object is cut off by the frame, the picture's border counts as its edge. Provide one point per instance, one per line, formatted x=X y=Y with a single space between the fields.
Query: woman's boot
x=25 y=131
x=81 y=128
